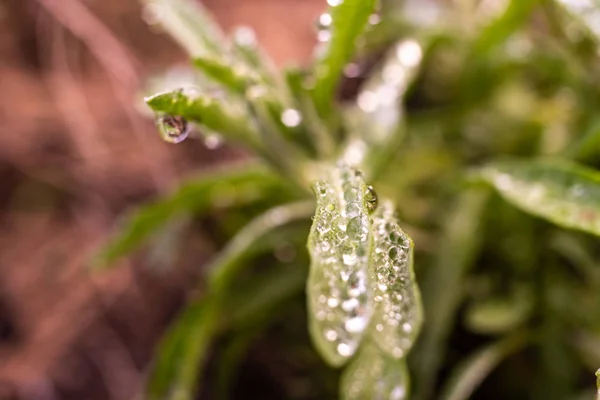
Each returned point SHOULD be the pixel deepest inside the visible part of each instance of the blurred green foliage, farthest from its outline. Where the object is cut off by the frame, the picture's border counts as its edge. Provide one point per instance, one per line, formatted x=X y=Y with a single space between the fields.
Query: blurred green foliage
x=479 y=122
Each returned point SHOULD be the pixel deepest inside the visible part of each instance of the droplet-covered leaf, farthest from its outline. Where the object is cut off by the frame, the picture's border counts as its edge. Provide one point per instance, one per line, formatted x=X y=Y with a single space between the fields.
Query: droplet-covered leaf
x=375 y=376
x=398 y=313
x=564 y=193
x=339 y=243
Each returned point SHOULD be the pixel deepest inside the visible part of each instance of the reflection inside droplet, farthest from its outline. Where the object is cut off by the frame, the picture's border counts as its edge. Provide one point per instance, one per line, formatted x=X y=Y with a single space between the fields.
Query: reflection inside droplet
x=173 y=128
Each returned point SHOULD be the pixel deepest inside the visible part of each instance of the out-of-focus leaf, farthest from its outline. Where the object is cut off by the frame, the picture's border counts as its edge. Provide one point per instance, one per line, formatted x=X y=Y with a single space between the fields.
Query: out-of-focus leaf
x=225 y=267
x=265 y=293
x=230 y=121
x=499 y=315
x=183 y=351
x=442 y=288
x=500 y=29
x=234 y=76
x=189 y=23
x=472 y=371
x=241 y=185
x=348 y=20
x=378 y=116
x=374 y=375
x=340 y=301
x=563 y=193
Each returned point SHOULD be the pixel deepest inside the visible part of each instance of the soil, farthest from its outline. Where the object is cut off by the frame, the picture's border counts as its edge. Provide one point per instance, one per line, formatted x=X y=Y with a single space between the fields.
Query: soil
x=75 y=154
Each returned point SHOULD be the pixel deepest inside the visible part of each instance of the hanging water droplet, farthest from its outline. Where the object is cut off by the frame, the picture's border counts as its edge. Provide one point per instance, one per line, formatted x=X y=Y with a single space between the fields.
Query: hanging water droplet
x=173 y=128
x=291 y=118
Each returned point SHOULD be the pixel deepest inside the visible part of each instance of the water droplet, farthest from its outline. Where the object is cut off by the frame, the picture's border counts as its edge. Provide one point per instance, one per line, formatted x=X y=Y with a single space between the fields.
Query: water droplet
x=173 y=128
x=213 y=141
x=371 y=199
x=291 y=117
x=409 y=53
x=379 y=327
x=333 y=302
x=397 y=352
x=344 y=350
x=352 y=210
x=355 y=325
x=355 y=229
x=323 y=35
x=407 y=327
x=352 y=70
x=374 y=19
x=325 y=21
x=244 y=36
x=350 y=304
x=367 y=101
x=331 y=335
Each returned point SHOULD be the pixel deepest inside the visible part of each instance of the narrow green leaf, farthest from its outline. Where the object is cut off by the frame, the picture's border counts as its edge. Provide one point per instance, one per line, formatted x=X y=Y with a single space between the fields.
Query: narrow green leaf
x=225 y=267
x=339 y=294
x=182 y=352
x=233 y=75
x=472 y=371
x=374 y=375
x=499 y=314
x=564 y=193
x=241 y=185
x=348 y=20
x=379 y=114
x=398 y=313
x=230 y=121
x=189 y=23
x=443 y=286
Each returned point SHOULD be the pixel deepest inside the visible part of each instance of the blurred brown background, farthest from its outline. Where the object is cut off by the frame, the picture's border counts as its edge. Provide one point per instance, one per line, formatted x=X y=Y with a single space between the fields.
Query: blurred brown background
x=75 y=154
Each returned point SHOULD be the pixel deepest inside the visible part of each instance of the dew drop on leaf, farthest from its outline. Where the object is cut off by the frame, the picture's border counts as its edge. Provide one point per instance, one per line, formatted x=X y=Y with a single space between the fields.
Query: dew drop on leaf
x=173 y=128
x=339 y=270
x=398 y=315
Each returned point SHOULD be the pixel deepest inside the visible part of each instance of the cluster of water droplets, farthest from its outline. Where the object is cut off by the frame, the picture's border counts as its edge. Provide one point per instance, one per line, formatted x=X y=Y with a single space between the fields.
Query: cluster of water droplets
x=338 y=287
x=397 y=312
x=374 y=375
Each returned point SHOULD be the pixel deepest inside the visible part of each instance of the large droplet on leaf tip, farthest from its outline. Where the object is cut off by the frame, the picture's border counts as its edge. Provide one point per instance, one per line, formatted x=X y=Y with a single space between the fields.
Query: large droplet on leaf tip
x=173 y=128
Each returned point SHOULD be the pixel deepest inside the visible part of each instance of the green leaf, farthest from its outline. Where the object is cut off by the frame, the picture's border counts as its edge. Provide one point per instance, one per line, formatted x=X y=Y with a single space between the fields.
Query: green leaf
x=499 y=314
x=379 y=114
x=225 y=267
x=564 y=193
x=374 y=375
x=182 y=352
x=241 y=185
x=473 y=370
x=398 y=313
x=230 y=121
x=443 y=286
x=339 y=294
x=189 y=23
x=233 y=75
x=349 y=18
